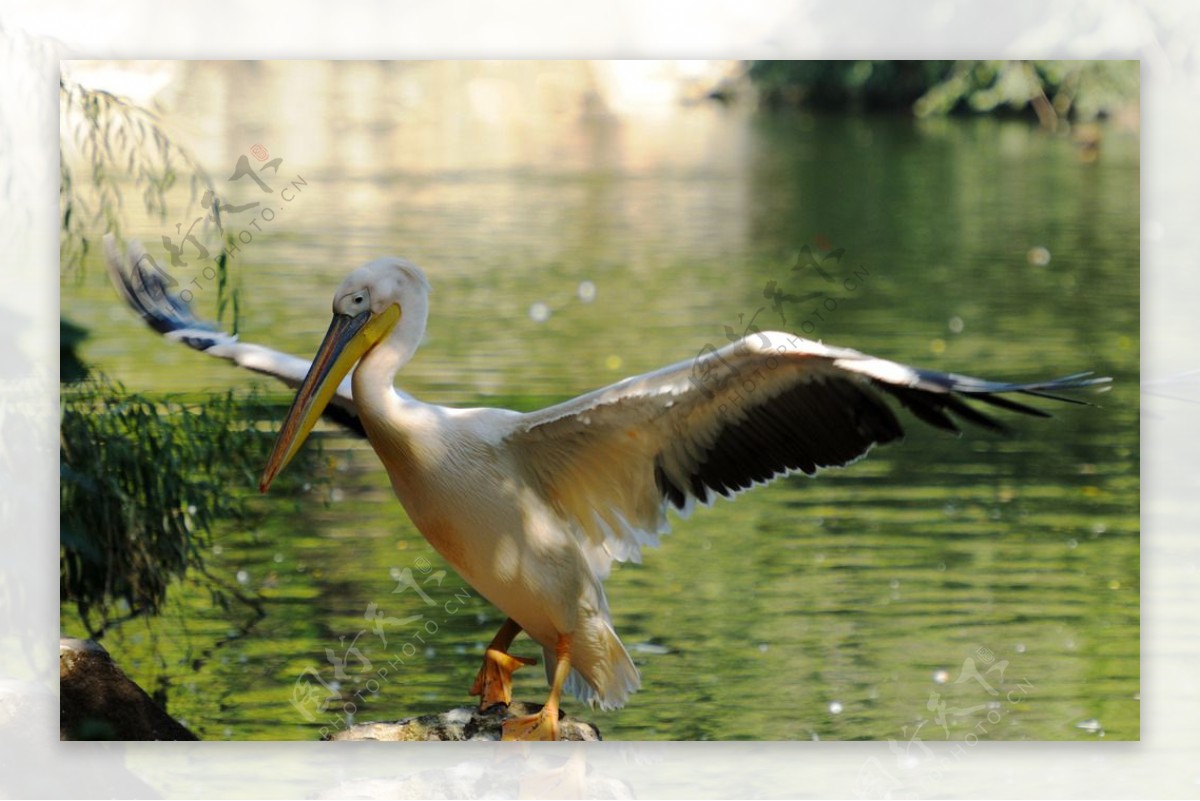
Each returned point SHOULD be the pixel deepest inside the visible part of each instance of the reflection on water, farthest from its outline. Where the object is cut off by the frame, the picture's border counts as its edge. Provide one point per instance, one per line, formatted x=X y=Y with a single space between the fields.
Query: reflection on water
x=942 y=588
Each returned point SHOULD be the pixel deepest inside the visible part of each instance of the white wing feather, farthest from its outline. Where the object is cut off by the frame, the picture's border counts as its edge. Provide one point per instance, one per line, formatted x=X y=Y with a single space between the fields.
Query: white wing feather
x=146 y=290
x=611 y=462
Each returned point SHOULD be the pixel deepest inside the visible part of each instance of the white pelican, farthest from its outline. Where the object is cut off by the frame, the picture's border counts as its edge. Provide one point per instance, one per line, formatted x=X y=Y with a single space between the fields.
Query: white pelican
x=532 y=509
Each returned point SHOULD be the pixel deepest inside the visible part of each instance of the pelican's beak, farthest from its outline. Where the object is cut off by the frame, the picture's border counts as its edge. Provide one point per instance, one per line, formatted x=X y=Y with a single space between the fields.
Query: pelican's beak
x=347 y=339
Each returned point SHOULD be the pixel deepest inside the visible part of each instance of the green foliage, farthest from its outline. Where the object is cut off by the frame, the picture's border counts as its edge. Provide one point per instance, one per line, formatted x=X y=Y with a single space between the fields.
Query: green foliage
x=828 y=85
x=1051 y=90
x=119 y=145
x=143 y=482
x=70 y=367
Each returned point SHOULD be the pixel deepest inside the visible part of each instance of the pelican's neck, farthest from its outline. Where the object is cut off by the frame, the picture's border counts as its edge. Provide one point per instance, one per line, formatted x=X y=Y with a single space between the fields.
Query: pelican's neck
x=393 y=420
x=373 y=383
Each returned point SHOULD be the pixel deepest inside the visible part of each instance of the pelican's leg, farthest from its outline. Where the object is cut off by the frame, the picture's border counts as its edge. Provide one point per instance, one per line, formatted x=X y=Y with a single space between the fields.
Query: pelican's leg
x=493 y=683
x=544 y=725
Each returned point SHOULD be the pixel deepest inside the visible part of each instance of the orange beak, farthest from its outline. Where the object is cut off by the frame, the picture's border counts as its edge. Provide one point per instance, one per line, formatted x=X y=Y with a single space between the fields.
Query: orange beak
x=347 y=340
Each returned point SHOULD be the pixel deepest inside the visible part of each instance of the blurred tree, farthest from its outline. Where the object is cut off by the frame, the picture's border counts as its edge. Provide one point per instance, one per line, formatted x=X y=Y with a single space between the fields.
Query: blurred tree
x=861 y=85
x=1051 y=90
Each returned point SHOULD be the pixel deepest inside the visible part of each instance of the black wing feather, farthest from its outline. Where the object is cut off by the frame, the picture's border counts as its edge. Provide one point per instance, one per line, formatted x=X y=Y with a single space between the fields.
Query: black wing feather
x=836 y=418
x=146 y=292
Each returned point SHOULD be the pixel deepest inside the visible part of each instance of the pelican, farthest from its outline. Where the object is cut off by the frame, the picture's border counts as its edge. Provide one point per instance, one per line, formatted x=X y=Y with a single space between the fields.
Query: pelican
x=533 y=508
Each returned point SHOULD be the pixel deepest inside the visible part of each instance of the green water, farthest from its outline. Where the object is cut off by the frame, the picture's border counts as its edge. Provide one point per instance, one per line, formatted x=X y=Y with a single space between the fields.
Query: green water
x=943 y=588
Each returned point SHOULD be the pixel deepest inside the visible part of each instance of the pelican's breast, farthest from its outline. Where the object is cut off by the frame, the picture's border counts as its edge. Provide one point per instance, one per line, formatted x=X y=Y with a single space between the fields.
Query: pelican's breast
x=445 y=538
x=461 y=490
x=450 y=480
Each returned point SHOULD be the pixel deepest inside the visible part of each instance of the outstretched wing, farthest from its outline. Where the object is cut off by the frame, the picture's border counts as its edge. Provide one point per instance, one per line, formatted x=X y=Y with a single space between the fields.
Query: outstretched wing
x=612 y=461
x=141 y=283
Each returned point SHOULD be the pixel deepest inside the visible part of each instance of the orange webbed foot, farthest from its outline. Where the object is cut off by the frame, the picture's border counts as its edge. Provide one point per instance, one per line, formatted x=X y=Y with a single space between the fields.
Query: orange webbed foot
x=540 y=726
x=544 y=724
x=493 y=683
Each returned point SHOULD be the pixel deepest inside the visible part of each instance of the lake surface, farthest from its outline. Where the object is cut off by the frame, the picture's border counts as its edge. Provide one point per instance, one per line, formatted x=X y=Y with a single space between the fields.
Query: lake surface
x=943 y=588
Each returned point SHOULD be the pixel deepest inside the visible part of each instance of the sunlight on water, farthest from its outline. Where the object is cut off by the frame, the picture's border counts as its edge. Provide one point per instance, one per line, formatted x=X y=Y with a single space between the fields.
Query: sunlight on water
x=942 y=587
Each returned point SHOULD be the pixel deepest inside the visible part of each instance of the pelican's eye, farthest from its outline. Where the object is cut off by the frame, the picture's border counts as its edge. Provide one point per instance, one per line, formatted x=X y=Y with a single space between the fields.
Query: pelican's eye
x=356 y=302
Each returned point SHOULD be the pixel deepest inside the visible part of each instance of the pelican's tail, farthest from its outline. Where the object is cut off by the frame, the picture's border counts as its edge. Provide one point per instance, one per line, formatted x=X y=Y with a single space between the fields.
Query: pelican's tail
x=603 y=675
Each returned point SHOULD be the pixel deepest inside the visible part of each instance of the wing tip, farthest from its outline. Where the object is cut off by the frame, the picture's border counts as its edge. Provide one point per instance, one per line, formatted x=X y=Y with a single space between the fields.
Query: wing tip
x=146 y=292
x=936 y=395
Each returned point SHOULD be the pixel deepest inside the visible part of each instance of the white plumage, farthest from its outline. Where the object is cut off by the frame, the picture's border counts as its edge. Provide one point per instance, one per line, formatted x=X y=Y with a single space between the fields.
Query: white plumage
x=532 y=509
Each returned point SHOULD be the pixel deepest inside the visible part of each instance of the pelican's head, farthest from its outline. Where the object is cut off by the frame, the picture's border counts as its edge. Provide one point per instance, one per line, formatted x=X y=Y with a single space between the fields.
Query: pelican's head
x=381 y=297
x=379 y=284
